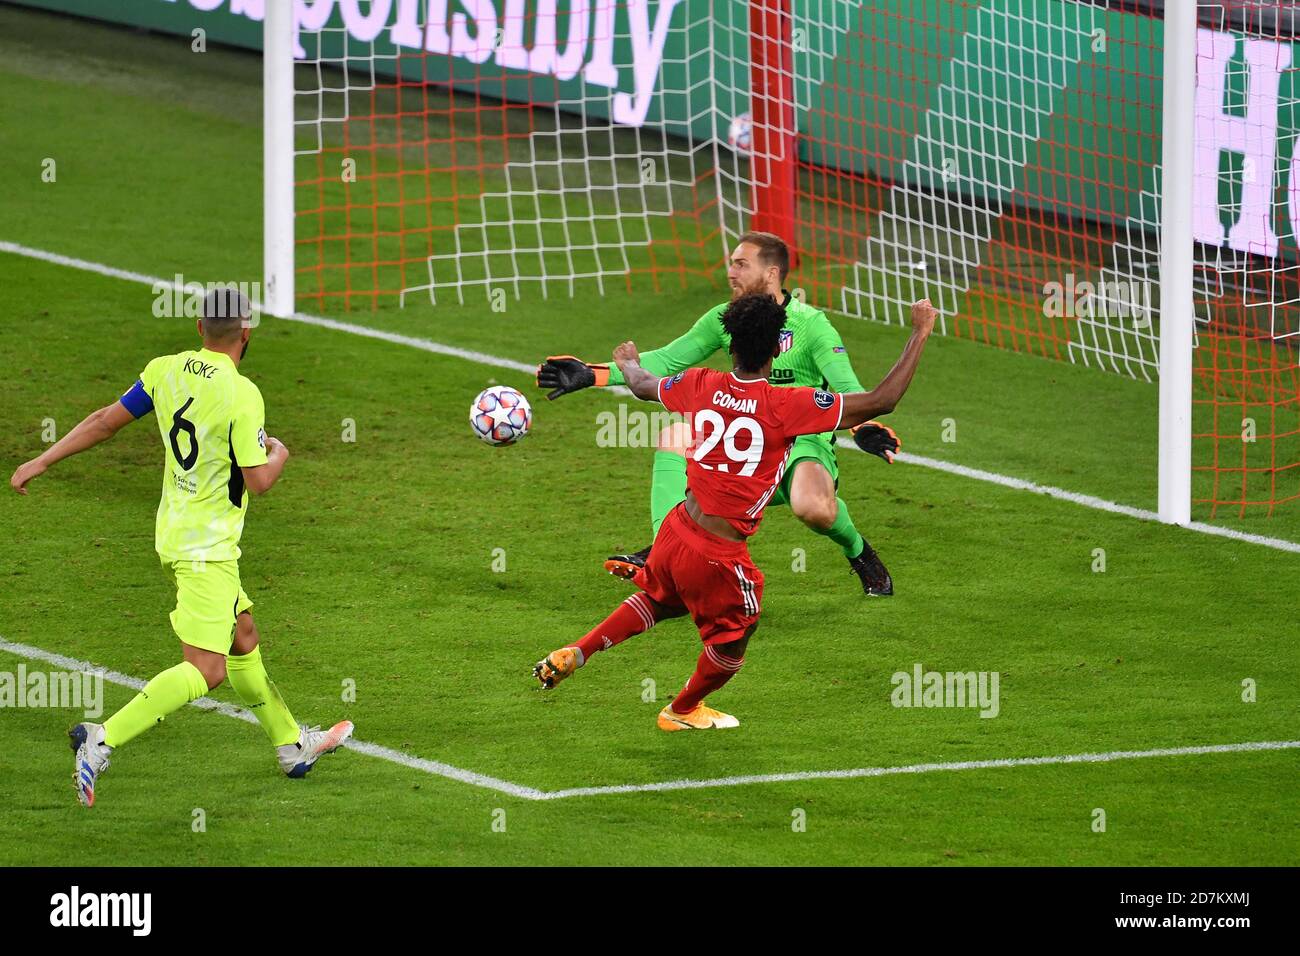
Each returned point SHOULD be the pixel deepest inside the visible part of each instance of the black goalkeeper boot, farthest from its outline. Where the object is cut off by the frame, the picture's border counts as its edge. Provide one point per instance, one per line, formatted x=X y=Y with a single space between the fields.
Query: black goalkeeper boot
x=627 y=565
x=875 y=578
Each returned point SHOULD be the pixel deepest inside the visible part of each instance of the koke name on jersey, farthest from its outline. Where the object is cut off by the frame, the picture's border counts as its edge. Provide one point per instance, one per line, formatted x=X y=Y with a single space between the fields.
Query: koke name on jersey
x=196 y=367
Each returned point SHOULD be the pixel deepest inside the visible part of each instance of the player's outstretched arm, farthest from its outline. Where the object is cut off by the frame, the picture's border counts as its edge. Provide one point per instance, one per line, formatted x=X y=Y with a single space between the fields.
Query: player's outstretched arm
x=644 y=385
x=860 y=406
x=100 y=425
x=563 y=374
x=260 y=478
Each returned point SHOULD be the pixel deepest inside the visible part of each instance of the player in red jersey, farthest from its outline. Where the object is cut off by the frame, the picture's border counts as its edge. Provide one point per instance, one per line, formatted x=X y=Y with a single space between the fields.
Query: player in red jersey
x=743 y=430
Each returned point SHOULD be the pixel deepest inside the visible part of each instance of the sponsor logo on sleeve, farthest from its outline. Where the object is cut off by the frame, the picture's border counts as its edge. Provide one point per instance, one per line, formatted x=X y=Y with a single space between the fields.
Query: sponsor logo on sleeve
x=823 y=399
x=674 y=380
x=261 y=438
x=839 y=348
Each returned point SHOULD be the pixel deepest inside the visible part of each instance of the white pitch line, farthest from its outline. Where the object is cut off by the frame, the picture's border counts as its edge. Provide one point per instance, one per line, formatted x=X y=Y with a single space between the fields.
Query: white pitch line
x=1086 y=501
x=425 y=344
x=228 y=710
x=320 y=321
x=82 y=264
x=1107 y=757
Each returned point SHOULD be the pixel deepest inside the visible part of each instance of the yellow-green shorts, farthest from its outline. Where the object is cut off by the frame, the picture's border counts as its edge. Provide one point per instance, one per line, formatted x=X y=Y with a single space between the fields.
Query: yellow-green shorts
x=208 y=599
x=811 y=447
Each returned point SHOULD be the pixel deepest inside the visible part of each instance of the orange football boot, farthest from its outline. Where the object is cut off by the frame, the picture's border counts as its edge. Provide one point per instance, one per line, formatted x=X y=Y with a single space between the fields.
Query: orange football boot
x=701 y=718
x=556 y=666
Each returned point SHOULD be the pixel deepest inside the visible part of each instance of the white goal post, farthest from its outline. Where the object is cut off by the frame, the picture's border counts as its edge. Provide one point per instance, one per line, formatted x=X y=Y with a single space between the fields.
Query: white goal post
x=277 y=159
x=1177 y=308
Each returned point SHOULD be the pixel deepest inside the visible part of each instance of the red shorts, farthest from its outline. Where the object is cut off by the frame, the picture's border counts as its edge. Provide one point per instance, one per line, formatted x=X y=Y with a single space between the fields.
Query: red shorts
x=713 y=578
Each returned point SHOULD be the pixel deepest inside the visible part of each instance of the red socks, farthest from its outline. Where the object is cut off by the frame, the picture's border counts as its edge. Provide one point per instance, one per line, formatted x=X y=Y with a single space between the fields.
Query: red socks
x=631 y=617
x=711 y=671
x=636 y=615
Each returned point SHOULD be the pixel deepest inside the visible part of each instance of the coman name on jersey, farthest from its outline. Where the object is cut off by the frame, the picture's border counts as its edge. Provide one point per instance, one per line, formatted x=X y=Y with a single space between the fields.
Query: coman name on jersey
x=723 y=400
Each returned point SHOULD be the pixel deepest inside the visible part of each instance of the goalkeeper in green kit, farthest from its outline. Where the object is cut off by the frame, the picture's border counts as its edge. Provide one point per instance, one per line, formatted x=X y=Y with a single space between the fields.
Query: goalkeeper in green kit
x=812 y=354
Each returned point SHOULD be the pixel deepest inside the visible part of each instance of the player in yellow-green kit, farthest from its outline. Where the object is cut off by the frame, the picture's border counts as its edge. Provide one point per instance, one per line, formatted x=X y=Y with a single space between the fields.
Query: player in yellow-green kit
x=216 y=450
x=811 y=354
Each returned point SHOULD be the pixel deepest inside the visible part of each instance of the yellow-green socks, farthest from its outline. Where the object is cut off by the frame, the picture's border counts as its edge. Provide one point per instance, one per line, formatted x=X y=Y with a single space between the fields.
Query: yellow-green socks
x=667 y=486
x=171 y=690
x=258 y=693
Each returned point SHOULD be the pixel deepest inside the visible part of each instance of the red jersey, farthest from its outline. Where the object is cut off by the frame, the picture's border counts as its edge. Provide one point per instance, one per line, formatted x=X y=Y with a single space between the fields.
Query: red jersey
x=742 y=431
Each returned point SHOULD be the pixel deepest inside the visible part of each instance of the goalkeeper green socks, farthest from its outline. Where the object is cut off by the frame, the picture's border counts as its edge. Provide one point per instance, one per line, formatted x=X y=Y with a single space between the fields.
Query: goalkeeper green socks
x=667 y=486
x=843 y=533
x=668 y=489
x=258 y=693
x=169 y=691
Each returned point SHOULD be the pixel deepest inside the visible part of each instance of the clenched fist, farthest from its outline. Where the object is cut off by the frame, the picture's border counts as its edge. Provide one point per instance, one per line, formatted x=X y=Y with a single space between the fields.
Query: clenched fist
x=923 y=316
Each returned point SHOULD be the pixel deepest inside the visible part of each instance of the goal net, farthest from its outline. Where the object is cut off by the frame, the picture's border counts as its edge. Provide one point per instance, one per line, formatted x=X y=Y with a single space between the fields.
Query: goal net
x=1002 y=157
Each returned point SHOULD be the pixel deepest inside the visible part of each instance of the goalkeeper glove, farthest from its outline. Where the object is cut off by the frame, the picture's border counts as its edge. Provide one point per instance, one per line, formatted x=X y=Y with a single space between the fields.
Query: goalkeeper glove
x=877 y=439
x=563 y=374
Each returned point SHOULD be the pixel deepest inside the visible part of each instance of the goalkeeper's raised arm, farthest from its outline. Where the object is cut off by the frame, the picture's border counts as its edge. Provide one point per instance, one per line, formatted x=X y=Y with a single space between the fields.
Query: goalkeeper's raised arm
x=883 y=399
x=563 y=374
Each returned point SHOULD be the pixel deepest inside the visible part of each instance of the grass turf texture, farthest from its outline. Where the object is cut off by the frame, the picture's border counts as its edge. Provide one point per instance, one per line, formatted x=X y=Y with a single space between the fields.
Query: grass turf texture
x=372 y=562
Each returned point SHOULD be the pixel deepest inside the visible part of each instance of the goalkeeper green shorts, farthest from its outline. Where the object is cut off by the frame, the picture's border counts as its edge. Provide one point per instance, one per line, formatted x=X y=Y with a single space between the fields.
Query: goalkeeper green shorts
x=807 y=448
x=208 y=599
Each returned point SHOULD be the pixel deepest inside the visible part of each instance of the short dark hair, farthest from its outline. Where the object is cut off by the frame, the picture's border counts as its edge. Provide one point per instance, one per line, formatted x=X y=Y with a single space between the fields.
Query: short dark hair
x=754 y=323
x=772 y=250
x=225 y=310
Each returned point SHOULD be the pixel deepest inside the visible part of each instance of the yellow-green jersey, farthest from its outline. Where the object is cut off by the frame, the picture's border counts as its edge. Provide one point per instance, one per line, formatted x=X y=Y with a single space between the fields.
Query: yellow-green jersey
x=212 y=423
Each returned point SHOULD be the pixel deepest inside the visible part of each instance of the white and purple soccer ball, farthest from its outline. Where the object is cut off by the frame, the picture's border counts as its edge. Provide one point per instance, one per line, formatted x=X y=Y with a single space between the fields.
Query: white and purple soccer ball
x=500 y=415
x=740 y=134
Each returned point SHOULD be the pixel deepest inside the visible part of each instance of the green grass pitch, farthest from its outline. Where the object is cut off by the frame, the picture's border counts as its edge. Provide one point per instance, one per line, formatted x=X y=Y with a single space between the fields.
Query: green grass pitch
x=372 y=562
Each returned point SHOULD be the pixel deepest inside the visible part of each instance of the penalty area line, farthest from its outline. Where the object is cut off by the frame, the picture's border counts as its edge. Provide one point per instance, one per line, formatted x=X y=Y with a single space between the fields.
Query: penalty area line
x=483 y=358
x=916 y=768
x=433 y=767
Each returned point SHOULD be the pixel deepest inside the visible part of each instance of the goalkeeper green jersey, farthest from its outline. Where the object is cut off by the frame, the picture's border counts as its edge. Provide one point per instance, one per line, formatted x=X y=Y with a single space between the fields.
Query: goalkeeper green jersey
x=212 y=421
x=812 y=353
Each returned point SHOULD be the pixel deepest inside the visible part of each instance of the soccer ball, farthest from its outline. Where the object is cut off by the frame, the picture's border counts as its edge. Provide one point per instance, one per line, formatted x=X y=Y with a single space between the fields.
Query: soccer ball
x=500 y=415
x=740 y=134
